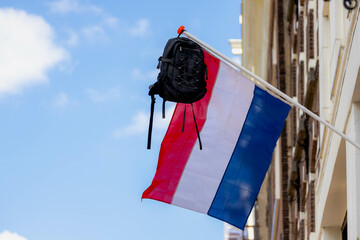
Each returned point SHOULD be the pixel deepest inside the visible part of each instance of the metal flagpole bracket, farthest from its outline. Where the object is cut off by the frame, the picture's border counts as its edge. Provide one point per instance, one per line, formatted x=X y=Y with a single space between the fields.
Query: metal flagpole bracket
x=350 y=4
x=264 y=84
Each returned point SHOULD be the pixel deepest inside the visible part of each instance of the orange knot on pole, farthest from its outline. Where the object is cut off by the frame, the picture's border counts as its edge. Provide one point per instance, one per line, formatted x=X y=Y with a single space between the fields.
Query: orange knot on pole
x=180 y=30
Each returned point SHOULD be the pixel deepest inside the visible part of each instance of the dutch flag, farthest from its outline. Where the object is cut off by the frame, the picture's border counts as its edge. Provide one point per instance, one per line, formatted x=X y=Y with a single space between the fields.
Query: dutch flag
x=239 y=124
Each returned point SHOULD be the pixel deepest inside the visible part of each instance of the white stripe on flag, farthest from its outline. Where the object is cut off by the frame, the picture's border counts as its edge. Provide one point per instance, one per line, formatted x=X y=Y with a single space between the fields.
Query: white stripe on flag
x=227 y=111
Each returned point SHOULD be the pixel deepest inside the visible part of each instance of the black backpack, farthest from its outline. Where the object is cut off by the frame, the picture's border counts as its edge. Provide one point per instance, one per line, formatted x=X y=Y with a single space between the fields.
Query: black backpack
x=181 y=78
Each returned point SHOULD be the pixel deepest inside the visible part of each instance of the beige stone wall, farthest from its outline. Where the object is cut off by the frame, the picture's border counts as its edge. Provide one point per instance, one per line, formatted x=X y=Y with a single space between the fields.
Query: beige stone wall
x=337 y=197
x=255 y=32
x=312 y=190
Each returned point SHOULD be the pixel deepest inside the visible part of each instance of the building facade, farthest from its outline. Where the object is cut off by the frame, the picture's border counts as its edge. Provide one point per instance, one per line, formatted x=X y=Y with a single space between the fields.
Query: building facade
x=309 y=49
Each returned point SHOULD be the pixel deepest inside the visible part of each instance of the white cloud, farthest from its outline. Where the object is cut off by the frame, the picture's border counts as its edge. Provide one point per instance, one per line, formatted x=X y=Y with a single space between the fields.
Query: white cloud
x=64 y=6
x=107 y=22
x=27 y=50
x=140 y=123
x=162 y=123
x=73 y=39
x=138 y=74
x=68 y=66
x=141 y=28
x=61 y=100
x=111 y=21
x=6 y=235
x=94 y=33
x=102 y=96
x=67 y=6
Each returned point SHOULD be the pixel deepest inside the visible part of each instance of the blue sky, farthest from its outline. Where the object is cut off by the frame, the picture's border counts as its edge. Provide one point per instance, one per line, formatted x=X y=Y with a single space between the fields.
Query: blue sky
x=74 y=111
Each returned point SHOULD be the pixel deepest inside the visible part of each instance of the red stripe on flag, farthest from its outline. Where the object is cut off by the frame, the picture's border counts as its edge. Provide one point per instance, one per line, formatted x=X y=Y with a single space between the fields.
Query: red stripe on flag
x=177 y=146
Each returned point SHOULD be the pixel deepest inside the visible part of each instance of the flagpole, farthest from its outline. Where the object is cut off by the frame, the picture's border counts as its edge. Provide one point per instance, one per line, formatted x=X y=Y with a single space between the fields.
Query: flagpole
x=270 y=87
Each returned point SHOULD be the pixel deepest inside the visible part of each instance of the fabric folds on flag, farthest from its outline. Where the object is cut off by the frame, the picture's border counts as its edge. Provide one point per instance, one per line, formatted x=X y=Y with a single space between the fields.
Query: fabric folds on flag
x=239 y=124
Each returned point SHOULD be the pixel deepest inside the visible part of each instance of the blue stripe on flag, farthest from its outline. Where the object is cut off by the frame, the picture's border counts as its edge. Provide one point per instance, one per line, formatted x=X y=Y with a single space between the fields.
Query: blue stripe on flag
x=250 y=160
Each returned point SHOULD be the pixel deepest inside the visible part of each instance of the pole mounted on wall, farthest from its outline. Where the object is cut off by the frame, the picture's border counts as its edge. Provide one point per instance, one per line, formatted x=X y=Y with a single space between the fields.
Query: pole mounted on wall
x=266 y=86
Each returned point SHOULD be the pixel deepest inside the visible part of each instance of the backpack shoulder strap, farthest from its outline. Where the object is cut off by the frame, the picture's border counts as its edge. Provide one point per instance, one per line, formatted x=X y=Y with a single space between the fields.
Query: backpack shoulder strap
x=197 y=129
x=151 y=120
x=163 y=108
